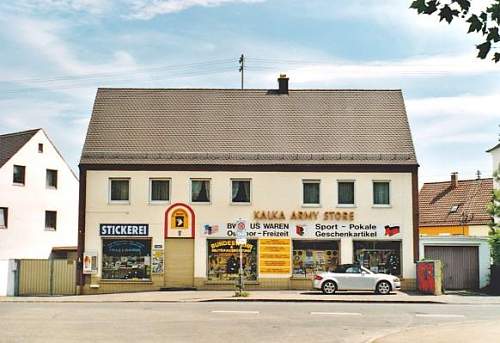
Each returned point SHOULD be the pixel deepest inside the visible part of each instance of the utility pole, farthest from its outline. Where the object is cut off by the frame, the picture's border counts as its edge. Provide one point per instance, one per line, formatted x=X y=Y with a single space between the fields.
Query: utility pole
x=242 y=69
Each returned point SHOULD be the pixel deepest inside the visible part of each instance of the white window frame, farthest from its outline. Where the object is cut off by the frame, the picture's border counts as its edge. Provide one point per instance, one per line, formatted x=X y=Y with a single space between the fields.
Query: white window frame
x=231 y=191
x=57 y=178
x=389 y=205
x=353 y=205
x=191 y=191
x=18 y=183
x=120 y=202
x=304 y=181
x=5 y=211
x=158 y=202
x=45 y=221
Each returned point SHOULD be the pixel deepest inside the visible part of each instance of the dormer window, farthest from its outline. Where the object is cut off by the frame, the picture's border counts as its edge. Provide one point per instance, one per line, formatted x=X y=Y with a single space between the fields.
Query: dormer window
x=454 y=208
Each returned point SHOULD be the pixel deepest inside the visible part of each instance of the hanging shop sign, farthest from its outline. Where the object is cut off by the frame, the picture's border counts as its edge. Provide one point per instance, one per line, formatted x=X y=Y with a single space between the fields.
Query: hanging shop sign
x=274 y=256
x=124 y=229
x=179 y=221
x=291 y=230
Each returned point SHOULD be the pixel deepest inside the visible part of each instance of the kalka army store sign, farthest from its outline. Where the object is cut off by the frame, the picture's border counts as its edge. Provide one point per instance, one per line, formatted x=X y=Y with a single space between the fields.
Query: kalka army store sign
x=317 y=230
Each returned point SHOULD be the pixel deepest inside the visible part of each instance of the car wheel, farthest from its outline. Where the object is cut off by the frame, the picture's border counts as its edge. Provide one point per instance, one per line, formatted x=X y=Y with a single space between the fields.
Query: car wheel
x=329 y=287
x=383 y=287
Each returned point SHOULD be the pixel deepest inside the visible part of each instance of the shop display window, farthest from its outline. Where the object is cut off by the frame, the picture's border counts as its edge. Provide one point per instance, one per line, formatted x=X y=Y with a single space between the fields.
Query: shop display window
x=126 y=259
x=224 y=260
x=379 y=256
x=311 y=257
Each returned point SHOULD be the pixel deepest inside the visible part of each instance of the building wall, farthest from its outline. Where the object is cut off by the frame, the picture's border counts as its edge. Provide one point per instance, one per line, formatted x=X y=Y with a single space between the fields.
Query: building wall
x=7 y=277
x=270 y=191
x=26 y=236
x=463 y=230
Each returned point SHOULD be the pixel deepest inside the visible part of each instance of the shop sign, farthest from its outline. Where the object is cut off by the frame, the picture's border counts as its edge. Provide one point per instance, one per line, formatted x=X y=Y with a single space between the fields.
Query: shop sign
x=274 y=256
x=124 y=230
x=318 y=230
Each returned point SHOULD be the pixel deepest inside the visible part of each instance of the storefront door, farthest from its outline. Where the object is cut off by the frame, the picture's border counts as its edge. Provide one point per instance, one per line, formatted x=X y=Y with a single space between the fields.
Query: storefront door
x=179 y=263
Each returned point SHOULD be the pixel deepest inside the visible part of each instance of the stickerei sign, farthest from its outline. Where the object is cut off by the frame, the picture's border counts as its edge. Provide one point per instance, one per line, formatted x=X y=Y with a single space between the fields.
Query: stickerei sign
x=318 y=230
x=124 y=229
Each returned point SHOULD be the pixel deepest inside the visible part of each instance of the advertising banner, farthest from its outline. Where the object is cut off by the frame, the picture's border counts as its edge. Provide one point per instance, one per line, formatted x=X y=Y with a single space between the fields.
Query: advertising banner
x=274 y=256
x=90 y=262
x=310 y=231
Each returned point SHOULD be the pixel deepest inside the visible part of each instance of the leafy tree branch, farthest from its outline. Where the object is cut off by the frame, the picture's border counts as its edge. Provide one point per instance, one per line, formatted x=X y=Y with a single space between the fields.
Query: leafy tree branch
x=487 y=22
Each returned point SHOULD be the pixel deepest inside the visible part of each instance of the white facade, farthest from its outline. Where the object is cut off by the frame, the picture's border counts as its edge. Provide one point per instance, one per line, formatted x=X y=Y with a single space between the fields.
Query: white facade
x=26 y=236
x=270 y=191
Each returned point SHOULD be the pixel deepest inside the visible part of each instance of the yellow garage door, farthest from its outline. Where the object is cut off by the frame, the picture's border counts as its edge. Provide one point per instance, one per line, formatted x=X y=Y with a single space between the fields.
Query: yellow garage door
x=179 y=263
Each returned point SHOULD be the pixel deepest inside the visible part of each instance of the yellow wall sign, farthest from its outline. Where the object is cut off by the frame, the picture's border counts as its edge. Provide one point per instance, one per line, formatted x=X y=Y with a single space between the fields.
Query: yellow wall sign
x=179 y=219
x=274 y=256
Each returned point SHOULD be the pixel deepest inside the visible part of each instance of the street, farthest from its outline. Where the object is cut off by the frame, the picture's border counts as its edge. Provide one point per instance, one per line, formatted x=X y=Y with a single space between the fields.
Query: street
x=245 y=322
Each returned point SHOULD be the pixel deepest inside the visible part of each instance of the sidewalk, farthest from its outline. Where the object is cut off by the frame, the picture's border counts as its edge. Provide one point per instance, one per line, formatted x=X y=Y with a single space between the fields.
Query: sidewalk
x=267 y=296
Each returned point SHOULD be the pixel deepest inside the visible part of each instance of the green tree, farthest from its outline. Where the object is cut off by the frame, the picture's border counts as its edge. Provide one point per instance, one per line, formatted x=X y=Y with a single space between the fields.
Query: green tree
x=486 y=22
x=494 y=211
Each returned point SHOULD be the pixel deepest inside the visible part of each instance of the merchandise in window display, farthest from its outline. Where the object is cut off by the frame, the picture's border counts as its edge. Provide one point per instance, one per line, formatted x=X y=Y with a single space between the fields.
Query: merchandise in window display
x=308 y=262
x=385 y=261
x=126 y=259
x=224 y=260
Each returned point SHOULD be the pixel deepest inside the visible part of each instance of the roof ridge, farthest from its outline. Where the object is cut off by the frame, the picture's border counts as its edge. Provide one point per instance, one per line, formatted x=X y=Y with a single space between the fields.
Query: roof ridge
x=20 y=132
x=464 y=180
x=258 y=89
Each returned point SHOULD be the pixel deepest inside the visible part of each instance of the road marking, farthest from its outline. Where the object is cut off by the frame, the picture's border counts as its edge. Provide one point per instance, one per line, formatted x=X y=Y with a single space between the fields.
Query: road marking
x=242 y=312
x=441 y=315
x=336 y=313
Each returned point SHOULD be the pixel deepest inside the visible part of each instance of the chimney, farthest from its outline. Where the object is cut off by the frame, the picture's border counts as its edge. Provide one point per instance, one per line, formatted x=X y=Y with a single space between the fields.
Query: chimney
x=283 y=84
x=454 y=180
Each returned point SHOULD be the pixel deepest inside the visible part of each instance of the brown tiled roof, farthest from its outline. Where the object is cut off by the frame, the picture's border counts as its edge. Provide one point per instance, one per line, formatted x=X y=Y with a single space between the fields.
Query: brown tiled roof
x=472 y=196
x=10 y=143
x=229 y=126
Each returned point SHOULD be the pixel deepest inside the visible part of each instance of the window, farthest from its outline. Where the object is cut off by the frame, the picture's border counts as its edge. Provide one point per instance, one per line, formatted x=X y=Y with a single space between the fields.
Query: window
x=19 y=174
x=40 y=147
x=200 y=190
x=126 y=259
x=50 y=220
x=381 y=193
x=4 y=214
x=454 y=208
x=240 y=191
x=310 y=191
x=346 y=193
x=224 y=260
x=51 y=178
x=119 y=190
x=379 y=256
x=311 y=257
x=353 y=270
x=159 y=190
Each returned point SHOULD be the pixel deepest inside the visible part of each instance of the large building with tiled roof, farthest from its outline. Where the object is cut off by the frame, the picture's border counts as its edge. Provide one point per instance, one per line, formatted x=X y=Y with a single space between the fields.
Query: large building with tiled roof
x=317 y=177
x=454 y=227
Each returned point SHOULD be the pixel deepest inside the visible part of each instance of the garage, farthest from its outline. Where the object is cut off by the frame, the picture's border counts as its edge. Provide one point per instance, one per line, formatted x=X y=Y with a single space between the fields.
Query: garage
x=460 y=265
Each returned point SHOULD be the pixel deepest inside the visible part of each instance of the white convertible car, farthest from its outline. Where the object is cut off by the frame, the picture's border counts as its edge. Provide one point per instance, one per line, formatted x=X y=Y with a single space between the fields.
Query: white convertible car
x=355 y=277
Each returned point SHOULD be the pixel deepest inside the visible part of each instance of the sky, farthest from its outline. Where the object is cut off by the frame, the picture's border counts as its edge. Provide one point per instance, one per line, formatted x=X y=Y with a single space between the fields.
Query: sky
x=54 y=54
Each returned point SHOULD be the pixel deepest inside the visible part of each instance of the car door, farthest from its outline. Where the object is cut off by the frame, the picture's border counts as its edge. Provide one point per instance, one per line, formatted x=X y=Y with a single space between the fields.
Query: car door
x=353 y=277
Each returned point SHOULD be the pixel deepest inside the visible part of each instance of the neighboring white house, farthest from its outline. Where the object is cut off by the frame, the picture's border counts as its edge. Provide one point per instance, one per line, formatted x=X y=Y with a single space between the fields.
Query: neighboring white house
x=38 y=200
x=495 y=155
